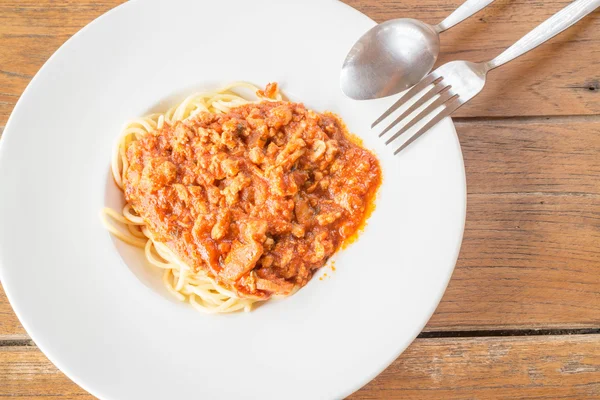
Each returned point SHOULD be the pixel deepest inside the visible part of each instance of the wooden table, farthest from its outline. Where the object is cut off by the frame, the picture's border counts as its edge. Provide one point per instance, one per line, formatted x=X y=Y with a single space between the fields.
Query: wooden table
x=521 y=316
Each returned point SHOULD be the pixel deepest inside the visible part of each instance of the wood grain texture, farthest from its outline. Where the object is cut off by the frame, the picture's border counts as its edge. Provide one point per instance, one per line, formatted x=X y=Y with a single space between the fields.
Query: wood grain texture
x=10 y=327
x=548 y=156
x=25 y=373
x=537 y=367
x=527 y=261
x=562 y=77
x=551 y=367
x=30 y=32
x=531 y=250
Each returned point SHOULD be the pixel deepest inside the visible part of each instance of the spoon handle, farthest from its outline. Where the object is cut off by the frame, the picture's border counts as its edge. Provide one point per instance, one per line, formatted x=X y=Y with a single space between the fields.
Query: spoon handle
x=463 y=12
x=546 y=30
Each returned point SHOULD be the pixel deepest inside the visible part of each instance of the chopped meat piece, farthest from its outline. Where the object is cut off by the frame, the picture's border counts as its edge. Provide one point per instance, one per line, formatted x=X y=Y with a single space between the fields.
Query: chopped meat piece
x=304 y=212
x=256 y=155
x=158 y=173
x=279 y=116
x=240 y=260
x=279 y=286
x=238 y=183
x=318 y=149
x=231 y=167
x=221 y=227
x=270 y=91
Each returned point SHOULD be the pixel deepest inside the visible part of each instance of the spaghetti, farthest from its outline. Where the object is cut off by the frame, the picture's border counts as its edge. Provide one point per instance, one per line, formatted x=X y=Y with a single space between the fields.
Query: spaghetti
x=195 y=287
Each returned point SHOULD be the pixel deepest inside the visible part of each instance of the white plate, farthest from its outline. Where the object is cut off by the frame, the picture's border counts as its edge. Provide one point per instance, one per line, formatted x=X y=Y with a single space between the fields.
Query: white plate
x=102 y=325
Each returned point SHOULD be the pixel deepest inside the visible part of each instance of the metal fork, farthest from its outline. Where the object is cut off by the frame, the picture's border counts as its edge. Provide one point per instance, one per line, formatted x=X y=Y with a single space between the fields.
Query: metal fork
x=457 y=82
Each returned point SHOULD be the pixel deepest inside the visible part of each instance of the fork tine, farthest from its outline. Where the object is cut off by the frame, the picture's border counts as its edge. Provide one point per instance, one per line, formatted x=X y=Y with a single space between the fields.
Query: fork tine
x=445 y=96
x=452 y=105
x=436 y=89
x=428 y=80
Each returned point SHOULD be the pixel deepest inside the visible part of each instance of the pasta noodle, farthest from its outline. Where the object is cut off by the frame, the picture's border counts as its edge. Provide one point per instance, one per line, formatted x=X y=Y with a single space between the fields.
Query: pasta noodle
x=197 y=288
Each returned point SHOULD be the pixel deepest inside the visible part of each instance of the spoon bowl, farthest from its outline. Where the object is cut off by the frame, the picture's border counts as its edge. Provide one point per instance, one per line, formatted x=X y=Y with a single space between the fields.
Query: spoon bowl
x=389 y=58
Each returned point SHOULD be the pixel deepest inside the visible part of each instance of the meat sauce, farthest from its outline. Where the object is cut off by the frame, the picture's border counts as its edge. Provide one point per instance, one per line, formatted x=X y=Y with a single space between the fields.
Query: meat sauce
x=259 y=197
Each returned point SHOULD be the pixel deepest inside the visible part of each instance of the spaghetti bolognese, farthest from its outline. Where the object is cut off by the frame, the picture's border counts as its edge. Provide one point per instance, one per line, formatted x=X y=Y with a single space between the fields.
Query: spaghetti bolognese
x=239 y=200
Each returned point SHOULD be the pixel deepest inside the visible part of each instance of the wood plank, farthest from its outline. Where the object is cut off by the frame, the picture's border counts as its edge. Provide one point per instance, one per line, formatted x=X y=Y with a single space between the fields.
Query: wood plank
x=531 y=251
x=25 y=373
x=527 y=261
x=560 y=78
x=10 y=327
x=30 y=32
x=538 y=367
x=557 y=156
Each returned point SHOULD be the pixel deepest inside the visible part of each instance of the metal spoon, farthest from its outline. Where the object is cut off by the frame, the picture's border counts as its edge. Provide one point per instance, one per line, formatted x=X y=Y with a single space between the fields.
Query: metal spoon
x=396 y=54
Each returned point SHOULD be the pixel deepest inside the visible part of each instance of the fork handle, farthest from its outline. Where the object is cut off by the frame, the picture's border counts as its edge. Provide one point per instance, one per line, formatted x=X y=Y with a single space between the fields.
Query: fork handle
x=463 y=12
x=546 y=30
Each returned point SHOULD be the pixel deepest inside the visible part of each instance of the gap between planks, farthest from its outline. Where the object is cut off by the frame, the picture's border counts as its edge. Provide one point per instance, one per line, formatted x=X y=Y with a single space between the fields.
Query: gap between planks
x=529 y=119
x=25 y=341
x=507 y=333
